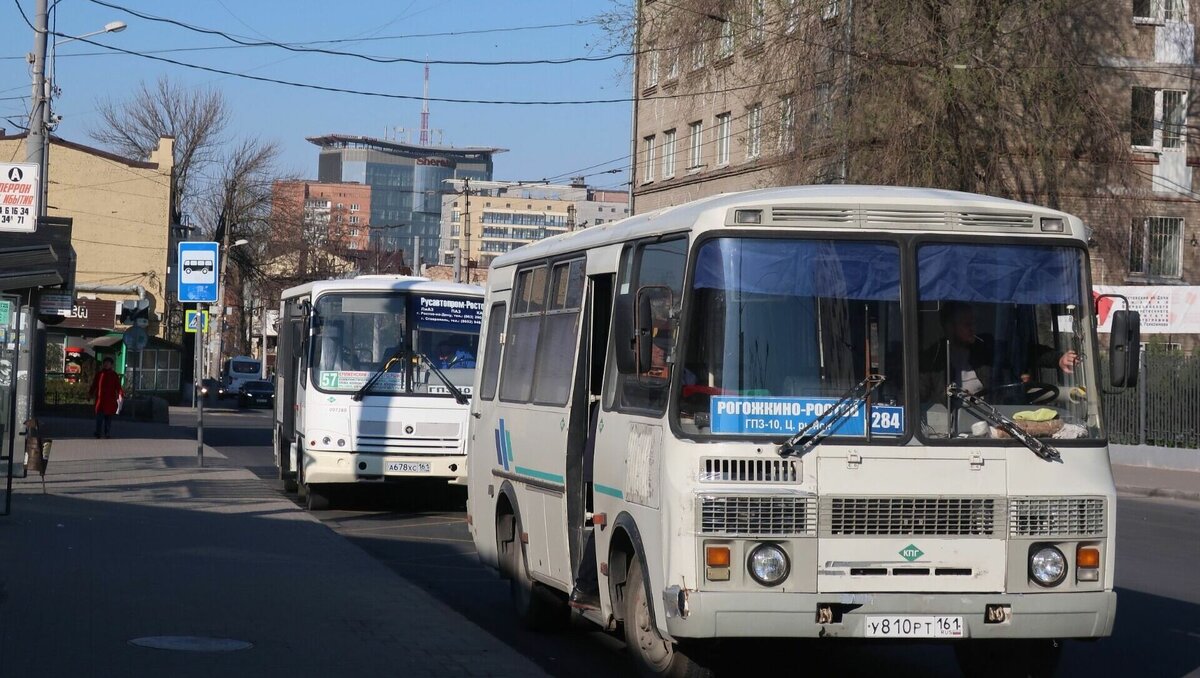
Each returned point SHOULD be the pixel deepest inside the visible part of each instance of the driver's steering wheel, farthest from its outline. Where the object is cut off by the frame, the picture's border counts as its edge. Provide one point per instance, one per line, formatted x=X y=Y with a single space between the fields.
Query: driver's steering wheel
x=1036 y=392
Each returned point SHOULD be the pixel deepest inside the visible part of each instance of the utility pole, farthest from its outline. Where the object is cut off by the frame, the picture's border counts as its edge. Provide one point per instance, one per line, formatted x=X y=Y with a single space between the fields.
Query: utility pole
x=39 y=106
x=458 y=250
x=221 y=291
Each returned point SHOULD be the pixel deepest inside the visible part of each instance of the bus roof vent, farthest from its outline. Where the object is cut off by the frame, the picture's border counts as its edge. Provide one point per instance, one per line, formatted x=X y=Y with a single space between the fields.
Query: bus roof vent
x=816 y=216
x=874 y=218
x=996 y=219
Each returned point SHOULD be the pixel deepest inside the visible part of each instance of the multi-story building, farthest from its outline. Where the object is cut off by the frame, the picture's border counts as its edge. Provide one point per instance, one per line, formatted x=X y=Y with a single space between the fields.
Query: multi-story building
x=120 y=210
x=1086 y=109
x=484 y=219
x=331 y=211
x=406 y=183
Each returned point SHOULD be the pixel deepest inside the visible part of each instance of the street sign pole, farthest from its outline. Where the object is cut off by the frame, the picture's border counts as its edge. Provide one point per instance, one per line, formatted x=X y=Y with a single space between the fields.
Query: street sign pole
x=198 y=383
x=198 y=280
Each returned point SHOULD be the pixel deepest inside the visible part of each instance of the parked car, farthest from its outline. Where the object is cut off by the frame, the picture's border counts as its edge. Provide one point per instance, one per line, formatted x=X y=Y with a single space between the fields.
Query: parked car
x=256 y=393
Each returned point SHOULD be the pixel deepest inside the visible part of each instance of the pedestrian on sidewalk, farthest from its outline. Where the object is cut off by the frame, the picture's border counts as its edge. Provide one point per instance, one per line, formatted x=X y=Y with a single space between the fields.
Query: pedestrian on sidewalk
x=107 y=392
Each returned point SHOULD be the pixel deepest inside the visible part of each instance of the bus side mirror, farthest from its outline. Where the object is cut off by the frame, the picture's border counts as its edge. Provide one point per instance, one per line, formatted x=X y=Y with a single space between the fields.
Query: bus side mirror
x=644 y=332
x=1124 y=348
x=624 y=334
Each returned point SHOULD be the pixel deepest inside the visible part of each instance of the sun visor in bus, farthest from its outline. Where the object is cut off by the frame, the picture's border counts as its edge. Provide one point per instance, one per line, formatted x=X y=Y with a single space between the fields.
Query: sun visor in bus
x=812 y=268
x=1015 y=274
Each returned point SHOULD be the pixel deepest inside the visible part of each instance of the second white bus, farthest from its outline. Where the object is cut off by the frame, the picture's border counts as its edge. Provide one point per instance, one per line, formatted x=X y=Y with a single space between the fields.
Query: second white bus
x=373 y=377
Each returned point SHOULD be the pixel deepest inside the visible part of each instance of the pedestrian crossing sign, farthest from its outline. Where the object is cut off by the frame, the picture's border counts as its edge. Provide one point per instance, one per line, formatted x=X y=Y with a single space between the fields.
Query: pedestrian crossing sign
x=195 y=321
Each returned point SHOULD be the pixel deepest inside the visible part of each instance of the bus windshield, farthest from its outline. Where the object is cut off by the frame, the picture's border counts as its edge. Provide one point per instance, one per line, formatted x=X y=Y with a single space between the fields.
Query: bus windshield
x=357 y=335
x=1007 y=323
x=780 y=329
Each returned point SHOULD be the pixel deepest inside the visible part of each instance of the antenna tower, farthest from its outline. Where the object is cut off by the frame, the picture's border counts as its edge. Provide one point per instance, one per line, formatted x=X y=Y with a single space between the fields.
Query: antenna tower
x=425 y=110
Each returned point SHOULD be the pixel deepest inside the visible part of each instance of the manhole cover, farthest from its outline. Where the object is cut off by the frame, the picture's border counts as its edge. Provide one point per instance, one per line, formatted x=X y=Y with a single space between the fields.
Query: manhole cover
x=192 y=643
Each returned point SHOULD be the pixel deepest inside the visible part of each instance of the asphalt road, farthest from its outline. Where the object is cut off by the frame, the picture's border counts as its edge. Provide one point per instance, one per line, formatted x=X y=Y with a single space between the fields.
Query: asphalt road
x=420 y=533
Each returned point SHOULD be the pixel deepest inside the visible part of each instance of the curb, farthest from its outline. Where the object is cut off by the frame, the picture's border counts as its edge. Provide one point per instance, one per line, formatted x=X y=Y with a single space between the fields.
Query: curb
x=1158 y=492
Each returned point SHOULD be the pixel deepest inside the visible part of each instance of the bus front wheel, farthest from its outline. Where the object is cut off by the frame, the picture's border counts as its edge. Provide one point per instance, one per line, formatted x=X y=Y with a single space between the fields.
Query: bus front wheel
x=653 y=655
x=537 y=607
x=1025 y=658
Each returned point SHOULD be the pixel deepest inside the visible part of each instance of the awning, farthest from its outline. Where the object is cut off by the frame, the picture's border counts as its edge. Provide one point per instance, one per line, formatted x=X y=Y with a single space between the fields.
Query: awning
x=106 y=341
x=17 y=280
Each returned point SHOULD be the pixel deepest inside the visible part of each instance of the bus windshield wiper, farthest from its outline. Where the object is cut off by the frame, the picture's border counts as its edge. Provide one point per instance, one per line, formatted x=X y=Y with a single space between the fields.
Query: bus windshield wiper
x=818 y=429
x=387 y=365
x=459 y=396
x=980 y=408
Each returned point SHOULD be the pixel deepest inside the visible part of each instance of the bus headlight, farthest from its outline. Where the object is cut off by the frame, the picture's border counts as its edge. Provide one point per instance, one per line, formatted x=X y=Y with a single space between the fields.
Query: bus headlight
x=1047 y=566
x=769 y=564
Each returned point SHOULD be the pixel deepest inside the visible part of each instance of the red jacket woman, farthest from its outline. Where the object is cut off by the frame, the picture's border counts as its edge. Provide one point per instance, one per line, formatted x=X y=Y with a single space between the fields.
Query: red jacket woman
x=106 y=390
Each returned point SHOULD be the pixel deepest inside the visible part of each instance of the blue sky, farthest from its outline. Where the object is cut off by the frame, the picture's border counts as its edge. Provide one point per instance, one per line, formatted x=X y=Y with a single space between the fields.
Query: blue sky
x=544 y=141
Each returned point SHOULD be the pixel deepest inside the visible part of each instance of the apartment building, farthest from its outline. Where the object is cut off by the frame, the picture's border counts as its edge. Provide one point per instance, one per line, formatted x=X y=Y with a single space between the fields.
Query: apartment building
x=1088 y=112
x=484 y=219
x=338 y=211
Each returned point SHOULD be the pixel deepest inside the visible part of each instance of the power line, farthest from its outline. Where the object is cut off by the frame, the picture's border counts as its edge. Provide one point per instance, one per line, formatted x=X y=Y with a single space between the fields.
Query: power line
x=356 y=55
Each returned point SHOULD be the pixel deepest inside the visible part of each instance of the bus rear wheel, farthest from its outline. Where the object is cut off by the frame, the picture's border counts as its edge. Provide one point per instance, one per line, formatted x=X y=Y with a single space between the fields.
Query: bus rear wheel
x=1026 y=658
x=653 y=655
x=537 y=607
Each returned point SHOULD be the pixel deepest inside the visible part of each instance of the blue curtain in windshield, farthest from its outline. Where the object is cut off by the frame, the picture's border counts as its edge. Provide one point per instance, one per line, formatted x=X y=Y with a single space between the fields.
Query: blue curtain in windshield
x=1013 y=274
x=804 y=268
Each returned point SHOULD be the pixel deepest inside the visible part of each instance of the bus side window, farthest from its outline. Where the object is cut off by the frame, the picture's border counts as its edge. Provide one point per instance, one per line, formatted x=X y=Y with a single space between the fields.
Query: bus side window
x=491 y=351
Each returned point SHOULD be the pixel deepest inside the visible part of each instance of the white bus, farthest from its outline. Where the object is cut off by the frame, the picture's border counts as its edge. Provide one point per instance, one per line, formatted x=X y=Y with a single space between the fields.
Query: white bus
x=373 y=377
x=826 y=411
x=237 y=371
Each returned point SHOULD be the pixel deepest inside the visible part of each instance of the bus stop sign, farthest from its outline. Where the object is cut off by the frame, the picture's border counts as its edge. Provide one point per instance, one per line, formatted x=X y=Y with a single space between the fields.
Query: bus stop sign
x=197 y=265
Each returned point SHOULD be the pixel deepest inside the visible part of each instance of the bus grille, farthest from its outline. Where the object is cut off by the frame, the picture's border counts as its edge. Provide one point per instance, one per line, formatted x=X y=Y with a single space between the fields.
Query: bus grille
x=1056 y=516
x=927 y=516
x=744 y=516
x=713 y=470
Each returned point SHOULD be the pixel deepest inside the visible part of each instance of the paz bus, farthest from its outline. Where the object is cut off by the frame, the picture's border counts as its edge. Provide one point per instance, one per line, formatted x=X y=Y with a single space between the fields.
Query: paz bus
x=373 y=377
x=236 y=372
x=824 y=411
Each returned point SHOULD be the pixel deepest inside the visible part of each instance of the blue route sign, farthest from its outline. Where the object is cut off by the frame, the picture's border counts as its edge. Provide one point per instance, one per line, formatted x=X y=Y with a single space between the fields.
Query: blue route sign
x=197 y=265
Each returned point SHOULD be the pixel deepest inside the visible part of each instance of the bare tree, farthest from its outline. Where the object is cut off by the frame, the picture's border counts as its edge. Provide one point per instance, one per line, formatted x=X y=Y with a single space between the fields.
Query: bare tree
x=196 y=118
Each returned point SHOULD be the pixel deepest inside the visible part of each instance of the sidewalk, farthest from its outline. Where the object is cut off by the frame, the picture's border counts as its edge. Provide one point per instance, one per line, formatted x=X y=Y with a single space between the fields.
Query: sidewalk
x=1145 y=481
x=133 y=540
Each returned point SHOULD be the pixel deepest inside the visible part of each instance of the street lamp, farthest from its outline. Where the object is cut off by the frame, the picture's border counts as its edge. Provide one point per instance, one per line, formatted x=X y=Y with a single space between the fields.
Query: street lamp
x=110 y=27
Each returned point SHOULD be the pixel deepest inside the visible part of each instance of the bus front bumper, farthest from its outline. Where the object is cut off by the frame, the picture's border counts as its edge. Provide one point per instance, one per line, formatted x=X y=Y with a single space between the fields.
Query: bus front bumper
x=363 y=467
x=794 y=615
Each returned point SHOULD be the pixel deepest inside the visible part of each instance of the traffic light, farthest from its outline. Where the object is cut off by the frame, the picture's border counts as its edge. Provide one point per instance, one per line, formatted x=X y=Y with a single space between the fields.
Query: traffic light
x=136 y=312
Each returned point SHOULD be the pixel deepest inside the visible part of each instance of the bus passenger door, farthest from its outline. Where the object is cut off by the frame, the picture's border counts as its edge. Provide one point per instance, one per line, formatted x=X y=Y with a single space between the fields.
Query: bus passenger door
x=585 y=410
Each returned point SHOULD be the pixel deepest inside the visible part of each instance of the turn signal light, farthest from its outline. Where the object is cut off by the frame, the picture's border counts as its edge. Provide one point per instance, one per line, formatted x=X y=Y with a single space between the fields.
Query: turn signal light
x=1087 y=563
x=716 y=556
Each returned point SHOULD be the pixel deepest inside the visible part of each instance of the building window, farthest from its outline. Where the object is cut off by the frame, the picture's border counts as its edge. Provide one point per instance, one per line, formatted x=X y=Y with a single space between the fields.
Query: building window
x=1158 y=118
x=1156 y=247
x=673 y=65
x=725 y=42
x=652 y=76
x=696 y=151
x=792 y=20
x=1158 y=11
x=830 y=10
x=668 y=151
x=758 y=21
x=699 y=55
x=787 y=123
x=754 y=132
x=353 y=232
x=353 y=207
x=724 y=127
x=353 y=219
x=648 y=164
x=455 y=215
x=821 y=116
